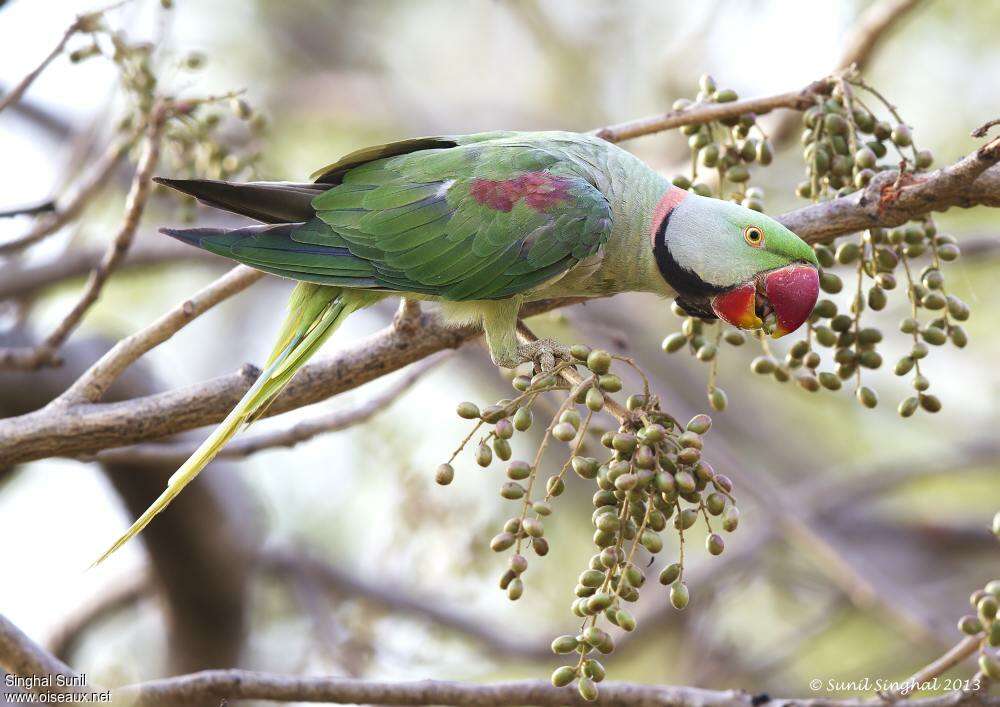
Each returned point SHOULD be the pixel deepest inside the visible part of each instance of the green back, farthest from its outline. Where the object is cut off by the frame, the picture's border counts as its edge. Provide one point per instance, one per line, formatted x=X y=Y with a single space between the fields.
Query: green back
x=475 y=217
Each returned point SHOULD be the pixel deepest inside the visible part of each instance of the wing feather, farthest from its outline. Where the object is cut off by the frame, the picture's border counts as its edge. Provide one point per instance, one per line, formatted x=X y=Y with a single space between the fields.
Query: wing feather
x=477 y=217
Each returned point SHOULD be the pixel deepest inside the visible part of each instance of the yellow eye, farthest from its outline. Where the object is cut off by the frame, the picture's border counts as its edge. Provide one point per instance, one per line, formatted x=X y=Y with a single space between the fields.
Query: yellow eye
x=754 y=236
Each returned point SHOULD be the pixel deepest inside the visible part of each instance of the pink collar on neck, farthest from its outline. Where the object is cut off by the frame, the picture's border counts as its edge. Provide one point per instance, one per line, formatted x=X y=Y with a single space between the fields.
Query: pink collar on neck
x=667 y=203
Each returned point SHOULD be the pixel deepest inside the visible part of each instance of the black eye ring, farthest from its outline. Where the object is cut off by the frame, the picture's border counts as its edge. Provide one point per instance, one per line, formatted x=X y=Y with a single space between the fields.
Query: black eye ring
x=754 y=236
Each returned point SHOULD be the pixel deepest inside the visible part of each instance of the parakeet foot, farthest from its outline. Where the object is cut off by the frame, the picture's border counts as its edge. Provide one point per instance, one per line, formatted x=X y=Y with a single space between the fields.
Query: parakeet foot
x=544 y=353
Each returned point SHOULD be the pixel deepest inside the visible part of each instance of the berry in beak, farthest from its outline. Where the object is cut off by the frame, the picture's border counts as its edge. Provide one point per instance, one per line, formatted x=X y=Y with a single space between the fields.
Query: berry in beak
x=786 y=295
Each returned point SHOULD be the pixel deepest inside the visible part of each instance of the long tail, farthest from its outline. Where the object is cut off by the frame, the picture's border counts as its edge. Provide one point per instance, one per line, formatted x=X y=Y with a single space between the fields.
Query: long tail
x=315 y=312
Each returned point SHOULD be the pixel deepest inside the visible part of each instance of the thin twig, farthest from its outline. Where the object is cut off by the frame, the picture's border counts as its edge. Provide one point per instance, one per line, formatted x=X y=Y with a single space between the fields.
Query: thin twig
x=24 y=84
x=702 y=113
x=571 y=376
x=962 y=650
x=88 y=188
x=135 y=204
x=82 y=23
x=94 y=383
x=45 y=207
x=25 y=280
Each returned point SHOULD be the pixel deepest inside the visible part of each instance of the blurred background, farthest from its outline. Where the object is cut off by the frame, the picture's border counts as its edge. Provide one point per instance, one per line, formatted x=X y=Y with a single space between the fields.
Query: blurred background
x=862 y=533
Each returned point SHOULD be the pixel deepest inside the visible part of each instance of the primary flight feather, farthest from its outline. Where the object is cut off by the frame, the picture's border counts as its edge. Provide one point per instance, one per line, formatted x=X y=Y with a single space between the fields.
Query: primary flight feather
x=483 y=223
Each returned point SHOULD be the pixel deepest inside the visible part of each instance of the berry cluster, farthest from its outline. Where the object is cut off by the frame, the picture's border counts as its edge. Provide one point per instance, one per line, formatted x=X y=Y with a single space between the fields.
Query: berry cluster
x=650 y=480
x=845 y=145
x=985 y=622
x=193 y=145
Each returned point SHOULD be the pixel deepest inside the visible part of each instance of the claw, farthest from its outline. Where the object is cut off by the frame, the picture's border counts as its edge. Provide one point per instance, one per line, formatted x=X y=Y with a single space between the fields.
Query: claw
x=543 y=353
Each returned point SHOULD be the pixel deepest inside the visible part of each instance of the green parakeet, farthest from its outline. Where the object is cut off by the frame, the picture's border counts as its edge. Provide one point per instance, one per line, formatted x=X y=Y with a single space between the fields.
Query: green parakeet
x=483 y=223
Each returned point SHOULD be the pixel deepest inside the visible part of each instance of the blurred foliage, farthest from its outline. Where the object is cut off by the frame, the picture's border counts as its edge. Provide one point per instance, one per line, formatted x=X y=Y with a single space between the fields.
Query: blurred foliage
x=333 y=76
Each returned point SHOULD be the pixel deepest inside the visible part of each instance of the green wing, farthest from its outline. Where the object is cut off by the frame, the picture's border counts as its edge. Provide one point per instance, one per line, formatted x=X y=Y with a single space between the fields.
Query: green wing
x=485 y=219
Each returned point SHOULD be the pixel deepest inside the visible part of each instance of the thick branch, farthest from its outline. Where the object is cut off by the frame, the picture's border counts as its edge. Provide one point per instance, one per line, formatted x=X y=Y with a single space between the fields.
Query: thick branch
x=332 y=421
x=236 y=684
x=19 y=655
x=893 y=199
x=92 y=385
x=87 y=429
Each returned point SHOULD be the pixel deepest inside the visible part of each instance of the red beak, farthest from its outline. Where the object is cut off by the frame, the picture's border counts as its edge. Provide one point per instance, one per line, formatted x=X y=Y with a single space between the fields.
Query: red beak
x=738 y=306
x=790 y=292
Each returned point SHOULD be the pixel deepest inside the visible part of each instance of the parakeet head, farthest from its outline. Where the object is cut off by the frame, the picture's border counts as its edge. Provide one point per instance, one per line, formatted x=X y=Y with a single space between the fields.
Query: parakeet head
x=741 y=264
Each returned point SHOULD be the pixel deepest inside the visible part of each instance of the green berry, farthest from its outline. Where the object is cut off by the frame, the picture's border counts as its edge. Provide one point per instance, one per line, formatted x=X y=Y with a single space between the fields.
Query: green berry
x=679 y=596
x=717 y=399
x=445 y=474
x=715 y=544
x=970 y=625
x=599 y=361
x=867 y=397
x=501 y=542
x=563 y=676
x=522 y=419
x=564 y=644
x=587 y=689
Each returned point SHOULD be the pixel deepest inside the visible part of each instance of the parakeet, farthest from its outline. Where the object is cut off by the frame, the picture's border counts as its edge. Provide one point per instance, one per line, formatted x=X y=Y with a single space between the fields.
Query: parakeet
x=483 y=223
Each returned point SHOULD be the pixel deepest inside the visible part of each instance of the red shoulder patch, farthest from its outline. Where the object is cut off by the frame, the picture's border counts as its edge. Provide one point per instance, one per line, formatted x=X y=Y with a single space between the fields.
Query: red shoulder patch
x=540 y=191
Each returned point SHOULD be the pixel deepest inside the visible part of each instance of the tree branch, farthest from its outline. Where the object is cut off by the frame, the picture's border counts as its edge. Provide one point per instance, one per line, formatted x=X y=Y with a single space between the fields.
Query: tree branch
x=91 y=386
x=135 y=204
x=82 y=23
x=701 y=113
x=87 y=429
x=24 y=84
x=862 y=41
x=88 y=187
x=238 y=684
x=893 y=198
x=26 y=280
x=44 y=207
x=19 y=655
x=332 y=421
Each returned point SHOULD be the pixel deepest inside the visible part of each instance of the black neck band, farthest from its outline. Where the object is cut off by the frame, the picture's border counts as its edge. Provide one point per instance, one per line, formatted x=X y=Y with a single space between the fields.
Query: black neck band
x=682 y=280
